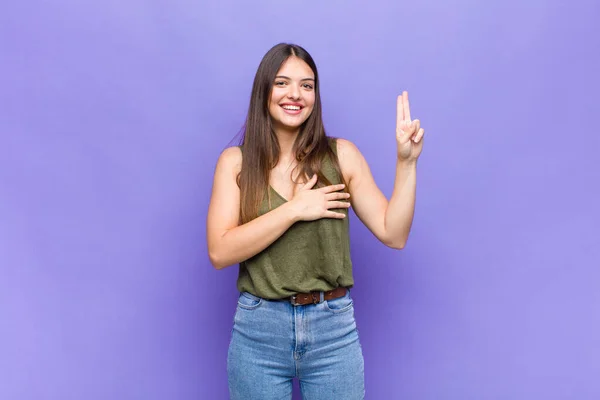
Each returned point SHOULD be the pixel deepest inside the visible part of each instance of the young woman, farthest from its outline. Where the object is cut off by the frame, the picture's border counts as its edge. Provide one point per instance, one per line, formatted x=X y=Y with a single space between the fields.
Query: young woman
x=279 y=209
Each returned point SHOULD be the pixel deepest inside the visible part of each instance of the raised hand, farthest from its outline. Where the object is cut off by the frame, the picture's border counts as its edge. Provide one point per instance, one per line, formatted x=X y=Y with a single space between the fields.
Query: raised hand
x=309 y=205
x=409 y=134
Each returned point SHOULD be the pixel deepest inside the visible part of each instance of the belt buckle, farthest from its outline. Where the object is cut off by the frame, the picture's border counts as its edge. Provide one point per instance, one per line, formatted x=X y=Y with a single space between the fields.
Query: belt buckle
x=316 y=296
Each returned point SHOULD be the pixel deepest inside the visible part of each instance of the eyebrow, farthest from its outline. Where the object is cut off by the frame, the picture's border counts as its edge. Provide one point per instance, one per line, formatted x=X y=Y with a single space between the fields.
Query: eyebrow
x=304 y=79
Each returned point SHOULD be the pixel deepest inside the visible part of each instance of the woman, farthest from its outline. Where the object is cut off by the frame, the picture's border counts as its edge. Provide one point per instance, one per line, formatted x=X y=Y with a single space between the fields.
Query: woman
x=279 y=208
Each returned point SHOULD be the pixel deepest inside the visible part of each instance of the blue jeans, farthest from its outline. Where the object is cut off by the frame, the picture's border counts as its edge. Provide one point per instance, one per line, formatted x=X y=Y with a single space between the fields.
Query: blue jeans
x=274 y=341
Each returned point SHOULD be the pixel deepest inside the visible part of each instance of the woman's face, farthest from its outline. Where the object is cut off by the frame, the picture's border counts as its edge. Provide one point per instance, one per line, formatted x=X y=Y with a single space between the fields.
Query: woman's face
x=293 y=95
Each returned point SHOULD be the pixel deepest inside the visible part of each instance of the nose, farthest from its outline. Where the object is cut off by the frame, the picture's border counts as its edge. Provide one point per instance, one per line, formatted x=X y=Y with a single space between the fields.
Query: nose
x=294 y=92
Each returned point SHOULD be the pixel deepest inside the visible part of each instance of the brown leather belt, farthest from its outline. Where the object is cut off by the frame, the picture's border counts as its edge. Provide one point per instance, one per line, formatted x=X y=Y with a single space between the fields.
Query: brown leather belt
x=301 y=299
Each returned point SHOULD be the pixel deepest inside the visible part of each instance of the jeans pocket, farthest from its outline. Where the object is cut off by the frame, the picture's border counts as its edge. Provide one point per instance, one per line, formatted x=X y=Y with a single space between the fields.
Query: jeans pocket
x=339 y=305
x=248 y=301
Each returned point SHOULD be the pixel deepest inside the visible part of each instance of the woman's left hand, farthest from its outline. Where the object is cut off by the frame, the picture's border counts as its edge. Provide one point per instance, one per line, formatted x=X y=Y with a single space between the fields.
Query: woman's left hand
x=409 y=134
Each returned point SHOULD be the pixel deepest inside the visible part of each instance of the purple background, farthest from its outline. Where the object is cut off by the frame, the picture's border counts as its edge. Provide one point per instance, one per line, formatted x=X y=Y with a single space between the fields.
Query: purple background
x=113 y=114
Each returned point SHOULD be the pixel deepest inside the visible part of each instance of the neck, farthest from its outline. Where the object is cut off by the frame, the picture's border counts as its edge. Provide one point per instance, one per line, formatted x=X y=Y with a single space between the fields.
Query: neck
x=286 y=141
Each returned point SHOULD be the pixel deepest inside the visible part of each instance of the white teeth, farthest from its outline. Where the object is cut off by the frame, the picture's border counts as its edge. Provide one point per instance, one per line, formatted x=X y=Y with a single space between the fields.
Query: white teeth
x=293 y=108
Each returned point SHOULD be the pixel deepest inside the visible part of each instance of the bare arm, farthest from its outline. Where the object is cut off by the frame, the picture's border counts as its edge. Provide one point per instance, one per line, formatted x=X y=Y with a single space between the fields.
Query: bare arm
x=230 y=243
x=390 y=221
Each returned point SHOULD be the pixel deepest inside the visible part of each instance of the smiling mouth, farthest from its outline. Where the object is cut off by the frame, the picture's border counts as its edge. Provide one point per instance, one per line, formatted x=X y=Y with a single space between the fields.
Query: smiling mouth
x=292 y=109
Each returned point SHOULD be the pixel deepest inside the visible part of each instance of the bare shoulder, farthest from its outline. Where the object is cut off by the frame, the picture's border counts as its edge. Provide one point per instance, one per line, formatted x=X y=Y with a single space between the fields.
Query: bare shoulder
x=223 y=210
x=346 y=149
x=230 y=160
x=349 y=156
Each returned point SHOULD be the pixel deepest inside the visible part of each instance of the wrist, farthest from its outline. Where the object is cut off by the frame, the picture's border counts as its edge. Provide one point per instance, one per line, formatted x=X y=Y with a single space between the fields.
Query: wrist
x=406 y=164
x=290 y=213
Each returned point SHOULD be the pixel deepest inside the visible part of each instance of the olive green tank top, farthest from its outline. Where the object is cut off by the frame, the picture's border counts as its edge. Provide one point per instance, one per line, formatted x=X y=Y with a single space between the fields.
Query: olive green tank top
x=309 y=256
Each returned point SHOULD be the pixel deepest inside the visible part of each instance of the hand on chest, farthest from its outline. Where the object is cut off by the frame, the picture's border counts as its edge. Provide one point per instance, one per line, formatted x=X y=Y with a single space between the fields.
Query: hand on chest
x=281 y=181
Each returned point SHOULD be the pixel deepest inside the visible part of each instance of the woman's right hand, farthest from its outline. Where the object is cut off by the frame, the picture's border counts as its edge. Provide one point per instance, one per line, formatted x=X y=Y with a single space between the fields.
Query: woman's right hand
x=309 y=205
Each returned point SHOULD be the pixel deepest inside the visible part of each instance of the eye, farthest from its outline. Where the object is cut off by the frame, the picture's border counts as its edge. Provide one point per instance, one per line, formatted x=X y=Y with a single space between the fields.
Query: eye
x=279 y=83
x=308 y=86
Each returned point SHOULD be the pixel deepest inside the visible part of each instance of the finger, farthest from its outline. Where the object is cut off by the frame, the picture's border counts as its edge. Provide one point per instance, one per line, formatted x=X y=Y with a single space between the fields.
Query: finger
x=337 y=196
x=399 y=112
x=333 y=214
x=404 y=134
x=419 y=135
x=415 y=125
x=332 y=188
x=406 y=105
x=338 y=204
x=311 y=182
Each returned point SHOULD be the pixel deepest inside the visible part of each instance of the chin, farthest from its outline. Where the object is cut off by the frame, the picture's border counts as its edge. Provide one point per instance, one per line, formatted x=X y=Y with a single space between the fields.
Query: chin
x=289 y=126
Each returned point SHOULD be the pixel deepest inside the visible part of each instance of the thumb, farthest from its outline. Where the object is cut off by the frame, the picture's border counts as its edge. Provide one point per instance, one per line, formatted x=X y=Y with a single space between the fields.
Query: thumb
x=311 y=182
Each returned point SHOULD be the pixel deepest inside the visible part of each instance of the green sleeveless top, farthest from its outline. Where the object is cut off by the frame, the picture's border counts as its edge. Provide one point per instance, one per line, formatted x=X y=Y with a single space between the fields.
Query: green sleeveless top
x=309 y=256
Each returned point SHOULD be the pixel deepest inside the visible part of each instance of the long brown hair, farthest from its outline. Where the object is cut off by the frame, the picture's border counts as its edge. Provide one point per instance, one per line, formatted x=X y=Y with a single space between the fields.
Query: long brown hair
x=260 y=147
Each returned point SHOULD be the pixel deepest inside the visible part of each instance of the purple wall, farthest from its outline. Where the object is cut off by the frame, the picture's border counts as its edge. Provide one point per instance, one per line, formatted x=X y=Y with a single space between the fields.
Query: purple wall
x=113 y=114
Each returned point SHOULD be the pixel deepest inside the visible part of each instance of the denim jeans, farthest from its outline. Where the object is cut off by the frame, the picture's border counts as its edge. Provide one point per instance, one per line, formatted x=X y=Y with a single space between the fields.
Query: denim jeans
x=274 y=341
